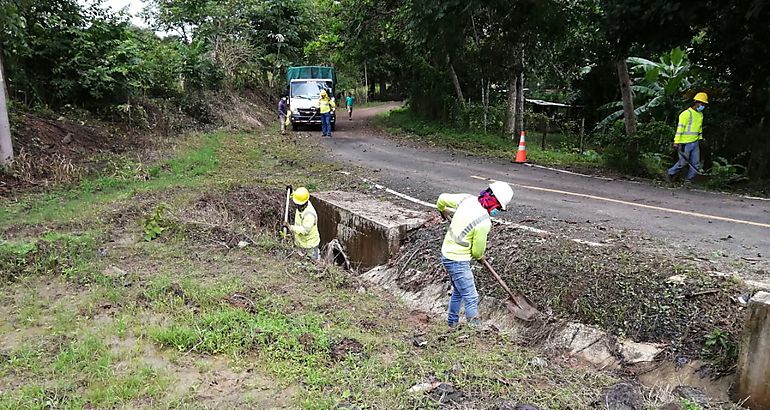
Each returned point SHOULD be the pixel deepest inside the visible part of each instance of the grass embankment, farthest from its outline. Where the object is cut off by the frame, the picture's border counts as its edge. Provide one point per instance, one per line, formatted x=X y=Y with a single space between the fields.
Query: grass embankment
x=96 y=316
x=402 y=122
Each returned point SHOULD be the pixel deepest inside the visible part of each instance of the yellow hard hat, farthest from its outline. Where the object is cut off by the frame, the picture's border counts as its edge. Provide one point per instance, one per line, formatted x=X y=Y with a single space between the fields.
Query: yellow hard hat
x=300 y=196
x=701 y=97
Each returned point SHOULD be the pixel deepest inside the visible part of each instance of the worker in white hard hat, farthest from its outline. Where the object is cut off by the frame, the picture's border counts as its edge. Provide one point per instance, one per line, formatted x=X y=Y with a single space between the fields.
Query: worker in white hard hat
x=465 y=240
x=689 y=133
x=305 y=228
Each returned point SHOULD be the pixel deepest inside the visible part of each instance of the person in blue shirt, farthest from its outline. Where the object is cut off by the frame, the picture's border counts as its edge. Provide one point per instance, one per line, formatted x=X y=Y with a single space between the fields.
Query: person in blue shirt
x=349 y=103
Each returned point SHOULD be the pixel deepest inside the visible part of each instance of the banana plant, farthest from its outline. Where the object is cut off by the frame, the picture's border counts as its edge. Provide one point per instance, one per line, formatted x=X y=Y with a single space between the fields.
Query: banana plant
x=659 y=86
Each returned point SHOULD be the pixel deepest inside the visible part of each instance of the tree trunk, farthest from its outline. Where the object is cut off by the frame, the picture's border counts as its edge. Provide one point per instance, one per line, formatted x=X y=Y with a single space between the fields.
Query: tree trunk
x=372 y=90
x=512 y=106
x=455 y=80
x=6 y=145
x=485 y=102
x=366 y=84
x=628 y=101
x=520 y=101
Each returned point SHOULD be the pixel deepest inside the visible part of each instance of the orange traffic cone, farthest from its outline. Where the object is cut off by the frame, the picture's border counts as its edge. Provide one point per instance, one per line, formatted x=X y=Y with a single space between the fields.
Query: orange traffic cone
x=521 y=156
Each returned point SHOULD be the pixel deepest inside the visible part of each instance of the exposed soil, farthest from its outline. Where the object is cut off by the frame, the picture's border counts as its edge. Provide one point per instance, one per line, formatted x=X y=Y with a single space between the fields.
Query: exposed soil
x=625 y=291
x=231 y=217
x=341 y=349
x=53 y=151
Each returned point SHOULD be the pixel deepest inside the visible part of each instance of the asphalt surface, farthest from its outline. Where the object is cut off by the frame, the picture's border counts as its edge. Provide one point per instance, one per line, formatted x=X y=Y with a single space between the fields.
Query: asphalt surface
x=712 y=224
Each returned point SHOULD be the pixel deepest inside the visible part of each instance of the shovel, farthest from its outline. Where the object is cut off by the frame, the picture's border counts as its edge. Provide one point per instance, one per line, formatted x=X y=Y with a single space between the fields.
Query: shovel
x=286 y=209
x=518 y=304
x=687 y=160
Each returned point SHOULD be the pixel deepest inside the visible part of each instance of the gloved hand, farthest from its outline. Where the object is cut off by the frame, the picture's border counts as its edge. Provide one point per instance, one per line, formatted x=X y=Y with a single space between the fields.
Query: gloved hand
x=444 y=214
x=676 y=146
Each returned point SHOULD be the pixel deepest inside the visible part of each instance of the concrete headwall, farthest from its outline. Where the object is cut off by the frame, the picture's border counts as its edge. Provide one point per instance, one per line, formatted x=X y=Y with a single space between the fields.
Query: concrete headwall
x=370 y=230
x=753 y=372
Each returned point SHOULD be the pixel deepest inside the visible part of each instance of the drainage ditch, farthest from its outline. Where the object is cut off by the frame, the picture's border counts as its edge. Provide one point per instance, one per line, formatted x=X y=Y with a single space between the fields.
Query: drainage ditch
x=397 y=249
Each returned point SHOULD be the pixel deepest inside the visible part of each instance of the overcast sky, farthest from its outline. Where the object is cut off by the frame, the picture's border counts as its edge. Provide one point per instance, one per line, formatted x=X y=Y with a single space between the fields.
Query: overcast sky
x=133 y=8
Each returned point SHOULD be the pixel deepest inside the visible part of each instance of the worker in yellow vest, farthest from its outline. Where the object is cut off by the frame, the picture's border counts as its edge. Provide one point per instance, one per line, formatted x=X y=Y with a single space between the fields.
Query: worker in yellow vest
x=466 y=239
x=689 y=132
x=326 y=107
x=305 y=228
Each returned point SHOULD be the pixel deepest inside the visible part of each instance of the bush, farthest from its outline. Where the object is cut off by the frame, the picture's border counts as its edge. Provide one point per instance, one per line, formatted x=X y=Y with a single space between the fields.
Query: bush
x=641 y=154
x=723 y=173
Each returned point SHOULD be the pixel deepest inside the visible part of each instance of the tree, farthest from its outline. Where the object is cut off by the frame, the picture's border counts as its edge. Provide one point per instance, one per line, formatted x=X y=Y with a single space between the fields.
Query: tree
x=6 y=144
x=660 y=86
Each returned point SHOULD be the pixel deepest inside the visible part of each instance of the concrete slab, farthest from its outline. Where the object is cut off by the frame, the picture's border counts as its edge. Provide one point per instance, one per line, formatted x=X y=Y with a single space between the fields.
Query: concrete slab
x=369 y=229
x=753 y=373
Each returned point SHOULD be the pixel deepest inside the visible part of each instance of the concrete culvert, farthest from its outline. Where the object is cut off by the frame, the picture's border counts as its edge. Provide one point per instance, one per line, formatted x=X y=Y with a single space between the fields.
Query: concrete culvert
x=334 y=253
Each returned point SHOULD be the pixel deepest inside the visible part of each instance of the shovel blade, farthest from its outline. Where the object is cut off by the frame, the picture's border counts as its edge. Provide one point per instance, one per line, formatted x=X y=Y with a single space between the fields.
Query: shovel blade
x=520 y=307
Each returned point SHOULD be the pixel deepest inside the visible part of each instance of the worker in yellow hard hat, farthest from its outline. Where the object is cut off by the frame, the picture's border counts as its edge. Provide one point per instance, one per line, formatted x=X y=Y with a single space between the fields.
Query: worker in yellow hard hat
x=305 y=228
x=689 y=132
x=326 y=107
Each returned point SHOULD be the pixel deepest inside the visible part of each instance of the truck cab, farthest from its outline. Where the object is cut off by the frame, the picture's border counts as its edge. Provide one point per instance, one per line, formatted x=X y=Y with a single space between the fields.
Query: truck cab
x=305 y=85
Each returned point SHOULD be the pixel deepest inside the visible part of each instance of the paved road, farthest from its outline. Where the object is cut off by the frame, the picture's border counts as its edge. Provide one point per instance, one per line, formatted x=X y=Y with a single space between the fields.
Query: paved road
x=714 y=224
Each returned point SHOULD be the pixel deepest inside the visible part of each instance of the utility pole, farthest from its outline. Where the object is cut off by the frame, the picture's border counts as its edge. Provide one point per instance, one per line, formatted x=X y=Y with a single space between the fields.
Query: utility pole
x=6 y=146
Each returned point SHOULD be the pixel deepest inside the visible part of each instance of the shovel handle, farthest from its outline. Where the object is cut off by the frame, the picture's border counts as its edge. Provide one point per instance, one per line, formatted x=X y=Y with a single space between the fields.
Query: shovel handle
x=501 y=282
x=289 y=189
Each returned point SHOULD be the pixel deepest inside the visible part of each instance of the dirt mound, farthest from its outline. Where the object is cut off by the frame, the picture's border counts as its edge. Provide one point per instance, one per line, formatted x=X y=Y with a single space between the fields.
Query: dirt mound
x=233 y=216
x=243 y=300
x=57 y=151
x=260 y=206
x=625 y=291
x=341 y=349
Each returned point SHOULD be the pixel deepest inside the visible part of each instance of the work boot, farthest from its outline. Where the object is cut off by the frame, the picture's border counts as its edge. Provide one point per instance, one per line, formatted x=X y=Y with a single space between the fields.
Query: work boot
x=474 y=322
x=453 y=326
x=687 y=183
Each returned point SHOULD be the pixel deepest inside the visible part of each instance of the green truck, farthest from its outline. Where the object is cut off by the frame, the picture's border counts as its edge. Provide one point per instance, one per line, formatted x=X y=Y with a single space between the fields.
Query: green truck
x=305 y=84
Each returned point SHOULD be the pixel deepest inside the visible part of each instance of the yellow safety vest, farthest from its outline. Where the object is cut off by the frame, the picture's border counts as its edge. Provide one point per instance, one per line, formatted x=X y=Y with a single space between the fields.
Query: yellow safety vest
x=690 y=127
x=326 y=105
x=305 y=228
x=466 y=238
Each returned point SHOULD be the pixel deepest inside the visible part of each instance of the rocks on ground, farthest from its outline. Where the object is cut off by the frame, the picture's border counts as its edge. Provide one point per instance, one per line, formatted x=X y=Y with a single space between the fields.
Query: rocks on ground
x=622 y=396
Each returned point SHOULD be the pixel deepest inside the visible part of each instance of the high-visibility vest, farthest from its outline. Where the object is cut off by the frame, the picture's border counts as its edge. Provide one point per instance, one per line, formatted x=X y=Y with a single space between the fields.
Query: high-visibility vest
x=305 y=228
x=466 y=237
x=326 y=105
x=690 y=127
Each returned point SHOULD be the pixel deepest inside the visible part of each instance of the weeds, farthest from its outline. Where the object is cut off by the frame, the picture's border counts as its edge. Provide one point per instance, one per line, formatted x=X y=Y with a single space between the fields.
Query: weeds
x=53 y=253
x=154 y=224
x=492 y=144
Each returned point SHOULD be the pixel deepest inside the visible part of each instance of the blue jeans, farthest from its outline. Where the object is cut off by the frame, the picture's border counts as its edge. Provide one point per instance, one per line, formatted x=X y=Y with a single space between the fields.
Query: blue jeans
x=690 y=151
x=326 y=124
x=463 y=290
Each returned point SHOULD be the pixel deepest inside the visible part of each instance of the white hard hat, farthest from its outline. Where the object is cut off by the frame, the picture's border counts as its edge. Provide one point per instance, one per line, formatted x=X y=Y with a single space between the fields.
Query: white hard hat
x=502 y=192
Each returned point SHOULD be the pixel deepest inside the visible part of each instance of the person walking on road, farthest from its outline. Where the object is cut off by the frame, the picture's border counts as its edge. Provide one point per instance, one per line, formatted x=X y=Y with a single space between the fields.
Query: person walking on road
x=305 y=228
x=689 y=132
x=326 y=107
x=466 y=239
x=283 y=110
x=349 y=103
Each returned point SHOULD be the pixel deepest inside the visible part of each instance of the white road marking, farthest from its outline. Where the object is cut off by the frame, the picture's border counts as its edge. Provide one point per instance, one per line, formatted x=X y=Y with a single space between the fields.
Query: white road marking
x=634 y=204
x=496 y=220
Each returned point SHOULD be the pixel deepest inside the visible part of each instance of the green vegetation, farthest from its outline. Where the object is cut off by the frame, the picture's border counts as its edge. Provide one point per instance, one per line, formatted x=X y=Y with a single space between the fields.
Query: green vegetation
x=162 y=323
x=155 y=224
x=559 y=147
